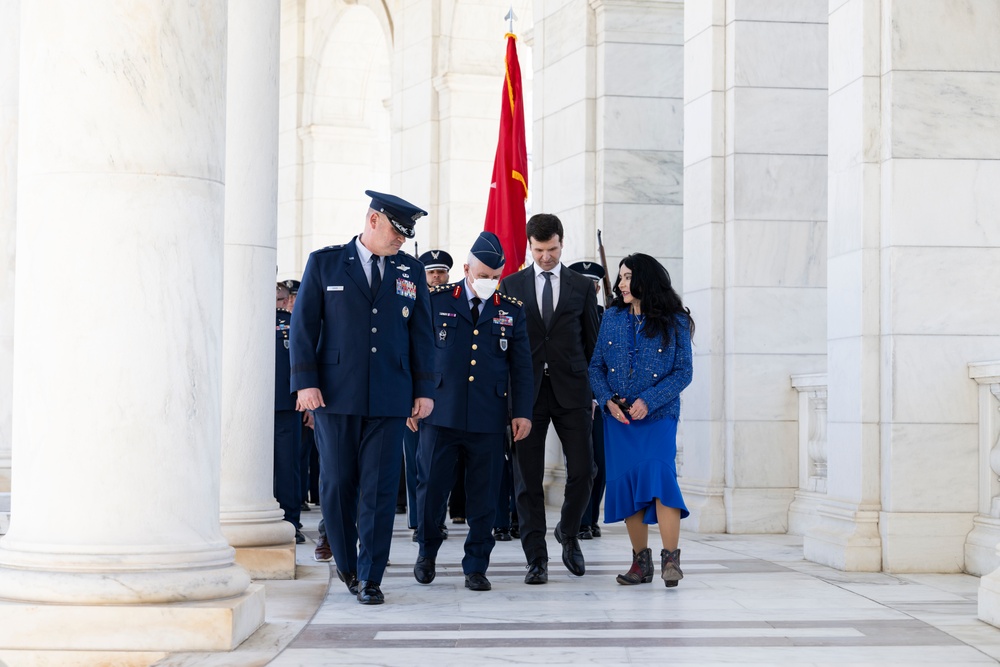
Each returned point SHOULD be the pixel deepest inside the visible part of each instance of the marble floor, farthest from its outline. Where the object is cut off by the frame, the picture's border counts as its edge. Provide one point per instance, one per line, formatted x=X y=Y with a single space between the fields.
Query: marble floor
x=745 y=600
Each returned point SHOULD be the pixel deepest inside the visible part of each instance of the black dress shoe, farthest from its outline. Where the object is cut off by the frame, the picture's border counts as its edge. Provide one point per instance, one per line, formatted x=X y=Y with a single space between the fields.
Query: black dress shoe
x=400 y=509
x=572 y=556
x=538 y=572
x=305 y=508
x=501 y=535
x=299 y=537
x=423 y=570
x=595 y=530
x=585 y=533
x=477 y=581
x=515 y=531
x=414 y=538
x=370 y=593
x=444 y=532
x=351 y=579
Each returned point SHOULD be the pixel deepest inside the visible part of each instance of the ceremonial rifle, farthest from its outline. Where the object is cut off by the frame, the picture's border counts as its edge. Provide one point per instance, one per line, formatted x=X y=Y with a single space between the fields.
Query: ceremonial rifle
x=604 y=263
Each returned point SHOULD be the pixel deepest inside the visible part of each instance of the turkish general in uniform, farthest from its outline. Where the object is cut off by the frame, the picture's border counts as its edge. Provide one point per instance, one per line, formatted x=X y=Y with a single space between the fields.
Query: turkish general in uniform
x=481 y=355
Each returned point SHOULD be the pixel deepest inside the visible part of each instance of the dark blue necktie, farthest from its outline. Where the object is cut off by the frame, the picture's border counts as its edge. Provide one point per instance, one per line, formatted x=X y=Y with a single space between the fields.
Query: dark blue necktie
x=376 y=276
x=475 y=308
x=547 y=298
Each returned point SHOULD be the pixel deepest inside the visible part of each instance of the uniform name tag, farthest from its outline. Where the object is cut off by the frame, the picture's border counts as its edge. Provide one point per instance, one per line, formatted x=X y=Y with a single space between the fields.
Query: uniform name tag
x=406 y=288
x=448 y=314
x=334 y=288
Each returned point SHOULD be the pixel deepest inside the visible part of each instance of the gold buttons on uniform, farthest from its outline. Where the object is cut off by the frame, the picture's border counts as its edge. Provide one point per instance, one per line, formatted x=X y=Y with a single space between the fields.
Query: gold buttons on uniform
x=471 y=378
x=475 y=347
x=475 y=332
x=473 y=362
x=444 y=324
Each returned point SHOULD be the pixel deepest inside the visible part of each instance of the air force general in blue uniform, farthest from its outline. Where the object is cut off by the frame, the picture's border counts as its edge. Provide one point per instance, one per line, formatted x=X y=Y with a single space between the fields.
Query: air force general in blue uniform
x=361 y=348
x=481 y=354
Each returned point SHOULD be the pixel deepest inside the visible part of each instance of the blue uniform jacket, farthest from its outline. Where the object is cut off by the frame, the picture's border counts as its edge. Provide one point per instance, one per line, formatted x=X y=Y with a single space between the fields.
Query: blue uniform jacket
x=474 y=364
x=284 y=398
x=369 y=357
x=661 y=371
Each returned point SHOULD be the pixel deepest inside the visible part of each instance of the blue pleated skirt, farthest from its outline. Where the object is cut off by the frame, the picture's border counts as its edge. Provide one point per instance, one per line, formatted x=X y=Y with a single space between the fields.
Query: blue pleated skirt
x=640 y=462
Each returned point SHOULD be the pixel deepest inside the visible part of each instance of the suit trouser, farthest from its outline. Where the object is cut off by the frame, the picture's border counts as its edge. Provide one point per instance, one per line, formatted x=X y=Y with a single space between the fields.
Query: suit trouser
x=359 y=460
x=439 y=451
x=592 y=516
x=287 y=485
x=573 y=428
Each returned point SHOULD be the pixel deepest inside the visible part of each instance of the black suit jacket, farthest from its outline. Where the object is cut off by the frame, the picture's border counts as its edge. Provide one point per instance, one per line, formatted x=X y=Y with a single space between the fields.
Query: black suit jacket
x=568 y=343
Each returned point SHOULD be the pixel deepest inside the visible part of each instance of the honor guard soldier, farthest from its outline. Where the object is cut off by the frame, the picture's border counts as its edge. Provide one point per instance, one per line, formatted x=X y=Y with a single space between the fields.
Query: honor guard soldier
x=361 y=347
x=481 y=353
x=590 y=524
x=287 y=422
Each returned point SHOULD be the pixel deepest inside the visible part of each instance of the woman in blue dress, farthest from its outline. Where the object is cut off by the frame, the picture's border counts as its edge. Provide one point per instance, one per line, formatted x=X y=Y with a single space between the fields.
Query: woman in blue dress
x=641 y=363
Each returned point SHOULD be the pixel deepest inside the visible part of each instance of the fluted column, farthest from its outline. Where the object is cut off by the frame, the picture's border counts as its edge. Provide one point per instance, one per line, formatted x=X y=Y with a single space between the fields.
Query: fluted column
x=251 y=519
x=116 y=408
x=9 y=48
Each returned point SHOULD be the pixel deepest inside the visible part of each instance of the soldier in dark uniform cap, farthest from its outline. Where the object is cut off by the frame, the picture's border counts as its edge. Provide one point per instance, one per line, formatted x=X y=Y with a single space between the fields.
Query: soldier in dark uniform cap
x=590 y=524
x=361 y=345
x=481 y=349
x=287 y=422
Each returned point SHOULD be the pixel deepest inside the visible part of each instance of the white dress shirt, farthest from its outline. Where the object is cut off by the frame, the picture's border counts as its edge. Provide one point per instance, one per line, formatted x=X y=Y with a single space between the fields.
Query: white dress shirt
x=365 y=255
x=540 y=285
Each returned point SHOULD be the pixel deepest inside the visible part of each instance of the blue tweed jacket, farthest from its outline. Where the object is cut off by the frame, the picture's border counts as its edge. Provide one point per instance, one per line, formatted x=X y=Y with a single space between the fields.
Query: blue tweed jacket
x=661 y=371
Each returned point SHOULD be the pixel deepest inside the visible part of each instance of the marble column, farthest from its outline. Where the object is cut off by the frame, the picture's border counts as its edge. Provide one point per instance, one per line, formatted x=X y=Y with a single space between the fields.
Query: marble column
x=251 y=519
x=10 y=30
x=755 y=228
x=114 y=534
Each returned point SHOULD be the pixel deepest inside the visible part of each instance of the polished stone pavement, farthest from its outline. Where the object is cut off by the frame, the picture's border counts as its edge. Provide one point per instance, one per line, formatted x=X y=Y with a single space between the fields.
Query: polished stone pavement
x=745 y=600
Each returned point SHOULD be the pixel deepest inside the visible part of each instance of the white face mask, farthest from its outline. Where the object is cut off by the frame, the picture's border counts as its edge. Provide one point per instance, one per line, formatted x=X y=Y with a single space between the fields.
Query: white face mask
x=484 y=287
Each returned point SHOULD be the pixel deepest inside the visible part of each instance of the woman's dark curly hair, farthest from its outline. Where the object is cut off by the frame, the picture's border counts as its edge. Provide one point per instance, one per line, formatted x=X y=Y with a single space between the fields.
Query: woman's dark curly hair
x=651 y=285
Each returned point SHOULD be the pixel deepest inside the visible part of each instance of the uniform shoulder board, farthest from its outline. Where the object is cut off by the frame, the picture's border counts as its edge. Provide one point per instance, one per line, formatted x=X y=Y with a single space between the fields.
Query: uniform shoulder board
x=331 y=247
x=447 y=287
x=510 y=299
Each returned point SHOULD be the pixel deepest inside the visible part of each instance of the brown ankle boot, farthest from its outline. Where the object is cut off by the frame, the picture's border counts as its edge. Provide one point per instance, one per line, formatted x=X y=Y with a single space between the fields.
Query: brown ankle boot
x=641 y=571
x=670 y=567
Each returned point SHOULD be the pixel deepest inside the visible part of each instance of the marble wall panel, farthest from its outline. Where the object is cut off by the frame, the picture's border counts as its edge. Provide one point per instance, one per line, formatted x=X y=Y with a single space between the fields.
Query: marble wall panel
x=567 y=29
x=856 y=136
x=944 y=291
x=778 y=253
x=933 y=35
x=928 y=378
x=800 y=62
x=704 y=247
x=654 y=22
x=470 y=140
x=642 y=176
x=853 y=296
x=704 y=57
x=701 y=183
x=779 y=120
x=642 y=124
x=567 y=82
x=765 y=454
x=656 y=229
x=565 y=184
x=415 y=146
x=704 y=128
x=415 y=105
x=855 y=196
x=700 y=14
x=930 y=467
x=788 y=11
x=773 y=320
x=854 y=36
x=943 y=114
x=564 y=133
x=853 y=370
x=762 y=385
x=779 y=187
x=944 y=202
x=644 y=70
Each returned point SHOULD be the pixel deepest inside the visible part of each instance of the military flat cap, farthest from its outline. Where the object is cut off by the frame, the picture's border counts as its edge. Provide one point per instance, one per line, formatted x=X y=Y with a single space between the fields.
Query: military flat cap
x=436 y=259
x=402 y=214
x=592 y=270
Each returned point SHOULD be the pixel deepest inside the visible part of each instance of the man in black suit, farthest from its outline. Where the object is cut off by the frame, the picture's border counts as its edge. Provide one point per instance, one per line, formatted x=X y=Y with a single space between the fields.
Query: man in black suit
x=562 y=326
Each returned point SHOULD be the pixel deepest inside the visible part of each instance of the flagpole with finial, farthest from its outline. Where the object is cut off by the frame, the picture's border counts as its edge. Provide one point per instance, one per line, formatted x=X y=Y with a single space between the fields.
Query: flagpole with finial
x=510 y=18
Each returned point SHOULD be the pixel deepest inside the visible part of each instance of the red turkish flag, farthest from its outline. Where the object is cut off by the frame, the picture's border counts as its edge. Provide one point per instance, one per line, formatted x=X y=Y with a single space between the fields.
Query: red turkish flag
x=505 y=215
